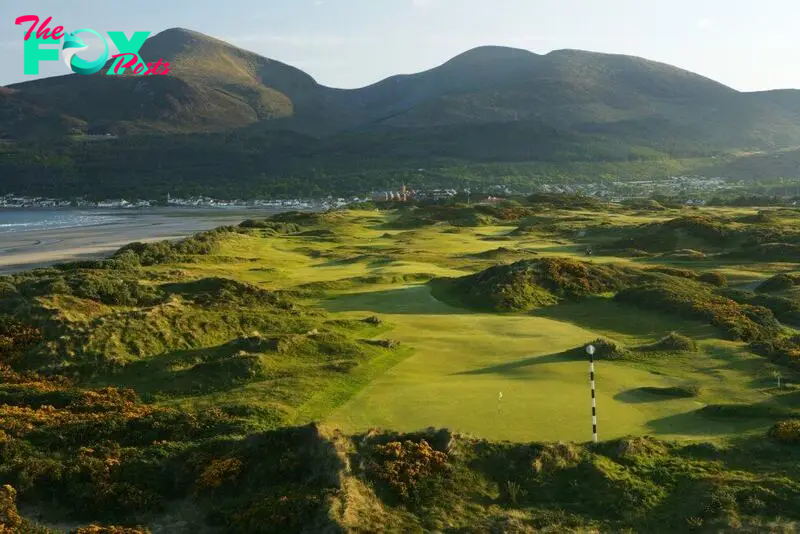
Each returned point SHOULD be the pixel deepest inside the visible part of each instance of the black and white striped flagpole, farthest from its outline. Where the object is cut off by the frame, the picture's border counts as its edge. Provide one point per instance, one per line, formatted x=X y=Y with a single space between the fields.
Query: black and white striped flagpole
x=590 y=351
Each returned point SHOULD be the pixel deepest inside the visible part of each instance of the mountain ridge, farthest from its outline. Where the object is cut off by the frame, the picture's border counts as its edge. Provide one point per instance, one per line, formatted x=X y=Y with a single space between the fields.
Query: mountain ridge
x=229 y=120
x=217 y=86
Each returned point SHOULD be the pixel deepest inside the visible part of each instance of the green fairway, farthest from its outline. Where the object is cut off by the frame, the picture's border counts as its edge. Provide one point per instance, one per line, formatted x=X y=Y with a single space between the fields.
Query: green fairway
x=460 y=361
x=463 y=361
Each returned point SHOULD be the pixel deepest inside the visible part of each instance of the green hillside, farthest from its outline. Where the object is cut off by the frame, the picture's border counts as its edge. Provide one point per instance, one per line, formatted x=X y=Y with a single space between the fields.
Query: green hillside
x=230 y=123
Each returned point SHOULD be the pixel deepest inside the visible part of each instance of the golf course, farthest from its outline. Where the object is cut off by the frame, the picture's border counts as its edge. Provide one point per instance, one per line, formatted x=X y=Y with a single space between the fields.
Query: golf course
x=307 y=368
x=462 y=360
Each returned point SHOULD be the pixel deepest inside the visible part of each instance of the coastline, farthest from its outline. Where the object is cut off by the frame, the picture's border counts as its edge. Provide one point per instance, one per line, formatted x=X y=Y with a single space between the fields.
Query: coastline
x=25 y=250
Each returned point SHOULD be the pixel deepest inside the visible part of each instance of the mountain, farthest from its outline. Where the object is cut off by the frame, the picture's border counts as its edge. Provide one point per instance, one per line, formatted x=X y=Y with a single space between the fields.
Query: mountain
x=563 y=87
x=275 y=127
x=211 y=86
x=214 y=86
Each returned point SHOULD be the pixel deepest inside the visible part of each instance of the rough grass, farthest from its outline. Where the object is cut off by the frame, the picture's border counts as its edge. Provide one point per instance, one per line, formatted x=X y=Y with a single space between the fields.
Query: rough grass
x=606 y=349
x=701 y=231
x=429 y=479
x=234 y=350
x=779 y=282
x=739 y=321
x=530 y=284
x=672 y=342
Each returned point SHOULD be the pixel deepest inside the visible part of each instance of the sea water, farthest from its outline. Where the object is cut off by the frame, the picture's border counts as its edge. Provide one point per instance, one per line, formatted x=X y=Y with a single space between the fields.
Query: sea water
x=19 y=220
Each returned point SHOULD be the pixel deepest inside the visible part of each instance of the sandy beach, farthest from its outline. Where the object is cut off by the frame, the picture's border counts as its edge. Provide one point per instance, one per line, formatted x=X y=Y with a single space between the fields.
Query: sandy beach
x=20 y=251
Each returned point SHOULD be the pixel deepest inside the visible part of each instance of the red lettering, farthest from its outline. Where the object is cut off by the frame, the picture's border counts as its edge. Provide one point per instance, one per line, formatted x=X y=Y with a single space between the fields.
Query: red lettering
x=152 y=68
x=43 y=31
x=158 y=67
x=123 y=64
x=28 y=18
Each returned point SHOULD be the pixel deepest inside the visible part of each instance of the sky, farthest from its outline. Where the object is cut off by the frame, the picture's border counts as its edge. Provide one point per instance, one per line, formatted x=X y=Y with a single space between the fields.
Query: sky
x=746 y=44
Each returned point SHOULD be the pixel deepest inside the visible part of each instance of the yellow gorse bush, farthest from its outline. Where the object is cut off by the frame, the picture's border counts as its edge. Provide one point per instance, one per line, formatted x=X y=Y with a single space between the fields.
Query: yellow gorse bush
x=218 y=472
x=404 y=465
x=98 y=529
x=10 y=520
x=786 y=432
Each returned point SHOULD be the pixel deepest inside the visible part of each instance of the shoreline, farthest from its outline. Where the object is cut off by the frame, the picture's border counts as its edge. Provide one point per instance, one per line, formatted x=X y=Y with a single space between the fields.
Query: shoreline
x=31 y=249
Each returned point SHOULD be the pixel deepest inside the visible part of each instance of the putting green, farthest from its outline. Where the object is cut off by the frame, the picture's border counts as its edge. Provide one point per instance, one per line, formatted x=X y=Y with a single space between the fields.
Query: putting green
x=463 y=362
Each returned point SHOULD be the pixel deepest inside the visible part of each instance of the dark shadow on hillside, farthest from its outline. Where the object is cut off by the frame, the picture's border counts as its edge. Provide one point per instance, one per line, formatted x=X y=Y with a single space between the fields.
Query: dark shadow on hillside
x=405 y=300
x=188 y=372
x=642 y=396
x=571 y=355
x=556 y=250
x=604 y=315
x=695 y=424
x=789 y=400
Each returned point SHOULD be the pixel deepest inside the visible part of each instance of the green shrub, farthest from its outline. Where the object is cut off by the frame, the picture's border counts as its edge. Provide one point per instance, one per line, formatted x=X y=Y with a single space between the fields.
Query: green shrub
x=275 y=227
x=782 y=351
x=161 y=252
x=787 y=432
x=692 y=301
x=501 y=253
x=666 y=236
x=674 y=271
x=147 y=253
x=783 y=252
x=555 y=457
x=785 y=309
x=779 y=282
x=289 y=510
x=226 y=292
x=112 y=290
x=302 y=218
x=640 y=446
x=16 y=338
x=506 y=211
x=7 y=289
x=606 y=349
x=239 y=368
x=645 y=204
x=406 y=468
x=673 y=342
x=714 y=279
x=531 y=283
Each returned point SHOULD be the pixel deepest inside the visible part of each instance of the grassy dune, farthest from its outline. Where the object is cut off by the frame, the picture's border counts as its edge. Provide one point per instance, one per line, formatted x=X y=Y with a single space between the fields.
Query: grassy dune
x=458 y=361
x=168 y=385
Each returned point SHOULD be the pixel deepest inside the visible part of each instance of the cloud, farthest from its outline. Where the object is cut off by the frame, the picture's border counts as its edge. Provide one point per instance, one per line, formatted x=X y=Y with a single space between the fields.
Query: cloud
x=423 y=4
